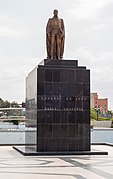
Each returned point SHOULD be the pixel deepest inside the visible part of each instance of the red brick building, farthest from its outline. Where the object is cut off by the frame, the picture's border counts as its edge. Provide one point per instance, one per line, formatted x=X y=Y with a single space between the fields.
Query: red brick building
x=99 y=103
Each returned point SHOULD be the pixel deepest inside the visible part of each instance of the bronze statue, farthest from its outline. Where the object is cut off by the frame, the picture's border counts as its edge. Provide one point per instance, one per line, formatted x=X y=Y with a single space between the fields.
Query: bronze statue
x=55 y=35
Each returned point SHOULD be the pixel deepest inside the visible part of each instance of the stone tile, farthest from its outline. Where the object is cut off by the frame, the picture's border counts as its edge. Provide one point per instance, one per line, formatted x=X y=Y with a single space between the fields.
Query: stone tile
x=15 y=166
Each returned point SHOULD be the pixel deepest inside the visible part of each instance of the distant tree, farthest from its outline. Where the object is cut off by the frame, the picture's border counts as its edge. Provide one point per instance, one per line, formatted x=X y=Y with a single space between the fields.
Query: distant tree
x=93 y=114
x=14 y=105
x=1 y=102
x=6 y=104
x=110 y=112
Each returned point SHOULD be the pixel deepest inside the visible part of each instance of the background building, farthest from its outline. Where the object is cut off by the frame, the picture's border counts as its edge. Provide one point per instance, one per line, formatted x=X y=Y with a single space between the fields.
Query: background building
x=99 y=103
x=94 y=100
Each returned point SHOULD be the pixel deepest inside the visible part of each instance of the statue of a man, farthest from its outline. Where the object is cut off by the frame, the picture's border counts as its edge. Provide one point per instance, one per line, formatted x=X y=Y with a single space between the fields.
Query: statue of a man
x=55 y=35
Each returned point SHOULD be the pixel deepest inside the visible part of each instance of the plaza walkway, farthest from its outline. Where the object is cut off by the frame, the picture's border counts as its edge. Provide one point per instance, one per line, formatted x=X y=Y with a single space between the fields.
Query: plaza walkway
x=13 y=165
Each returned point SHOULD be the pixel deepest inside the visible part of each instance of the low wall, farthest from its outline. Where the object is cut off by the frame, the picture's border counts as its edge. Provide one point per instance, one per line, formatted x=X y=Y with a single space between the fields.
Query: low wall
x=12 y=137
x=106 y=124
x=18 y=137
x=102 y=135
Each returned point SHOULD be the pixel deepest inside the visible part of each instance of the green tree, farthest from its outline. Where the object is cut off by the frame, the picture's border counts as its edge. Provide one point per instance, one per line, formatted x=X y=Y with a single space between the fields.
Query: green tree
x=14 y=105
x=6 y=104
x=93 y=114
x=1 y=102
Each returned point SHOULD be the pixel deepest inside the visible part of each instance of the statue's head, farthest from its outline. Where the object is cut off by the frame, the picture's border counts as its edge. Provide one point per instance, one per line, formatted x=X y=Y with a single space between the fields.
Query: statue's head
x=55 y=12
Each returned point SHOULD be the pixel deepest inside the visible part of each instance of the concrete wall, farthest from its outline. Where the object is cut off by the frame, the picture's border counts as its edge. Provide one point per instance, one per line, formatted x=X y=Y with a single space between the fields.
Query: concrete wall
x=102 y=135
x=105 y=124
x=18 y=137
x=12 y=137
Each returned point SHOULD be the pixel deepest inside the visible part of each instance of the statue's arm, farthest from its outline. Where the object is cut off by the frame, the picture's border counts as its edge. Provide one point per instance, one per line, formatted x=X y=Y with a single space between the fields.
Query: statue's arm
x=63 y=28
x=62 y=23
x=48 y=27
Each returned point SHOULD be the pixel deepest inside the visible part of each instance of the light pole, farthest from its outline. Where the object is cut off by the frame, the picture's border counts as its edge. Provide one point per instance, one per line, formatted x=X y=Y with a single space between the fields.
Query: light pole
x=97 y=111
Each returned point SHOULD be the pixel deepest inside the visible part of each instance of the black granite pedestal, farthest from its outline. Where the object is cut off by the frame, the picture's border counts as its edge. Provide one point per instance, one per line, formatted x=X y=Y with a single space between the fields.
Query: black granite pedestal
x=58 y=110
x=58 y=107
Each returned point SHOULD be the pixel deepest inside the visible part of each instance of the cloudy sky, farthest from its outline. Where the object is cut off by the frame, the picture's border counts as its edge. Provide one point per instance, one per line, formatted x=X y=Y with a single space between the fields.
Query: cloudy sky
x=89 y=38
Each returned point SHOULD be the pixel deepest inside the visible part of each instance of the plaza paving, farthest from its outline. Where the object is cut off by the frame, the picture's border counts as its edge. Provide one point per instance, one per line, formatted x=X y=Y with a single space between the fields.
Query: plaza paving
x=13 y=165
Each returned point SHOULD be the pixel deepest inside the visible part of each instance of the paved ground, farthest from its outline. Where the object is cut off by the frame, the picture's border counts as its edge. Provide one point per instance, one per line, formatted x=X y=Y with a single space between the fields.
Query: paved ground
x=15 y=166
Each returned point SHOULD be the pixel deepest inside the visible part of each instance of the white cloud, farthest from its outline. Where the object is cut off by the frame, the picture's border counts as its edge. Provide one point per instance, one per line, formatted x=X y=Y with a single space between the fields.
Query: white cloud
x=87 y=9
x=96 y=28
x=10 y=32
x=13 y=72
x=11 y=27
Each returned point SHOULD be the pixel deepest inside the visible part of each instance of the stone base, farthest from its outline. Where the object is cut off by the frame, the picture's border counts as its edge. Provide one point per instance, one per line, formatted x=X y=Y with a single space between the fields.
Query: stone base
x=34 y=153
x=58 y=108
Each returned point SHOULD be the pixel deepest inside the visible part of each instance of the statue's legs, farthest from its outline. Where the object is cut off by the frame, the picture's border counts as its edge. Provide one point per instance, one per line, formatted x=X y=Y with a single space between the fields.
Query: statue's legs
x=52 y=46
x=58 y=44
x=55 y=47
x=62 y=48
